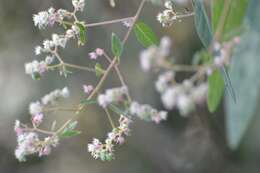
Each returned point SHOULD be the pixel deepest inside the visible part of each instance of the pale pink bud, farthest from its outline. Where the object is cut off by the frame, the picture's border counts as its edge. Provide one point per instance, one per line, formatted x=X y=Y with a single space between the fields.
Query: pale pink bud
x=93 y=55
x=99 y=52
x=87 y=88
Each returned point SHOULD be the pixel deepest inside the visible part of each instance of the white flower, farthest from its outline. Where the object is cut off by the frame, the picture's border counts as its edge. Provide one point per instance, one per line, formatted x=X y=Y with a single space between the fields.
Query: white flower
x=49 y=59
x=199 y=93
x=48 y=45
x=38 y=50
x=165 y=46
x=37 y=119
x=167 y=17
x=35 y=108
x=147 y=113
x=59 y=40
x=70 y=33
x=20 y=154
x=147 y=58
x=87 y=88
x=35 y=68
x=41 y=19
x=187 y=84
x=78 y=4
x=113 y=95
x=102 y=100
x=169 y=97
x=65 y=92
x=28 y=68
x=163 y=81
x=185 y=104
x=168 y=4
x=53 y=96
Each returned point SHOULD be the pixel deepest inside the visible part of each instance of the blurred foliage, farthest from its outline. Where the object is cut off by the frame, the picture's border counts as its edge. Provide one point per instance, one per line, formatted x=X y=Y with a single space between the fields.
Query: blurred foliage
x=244 y=72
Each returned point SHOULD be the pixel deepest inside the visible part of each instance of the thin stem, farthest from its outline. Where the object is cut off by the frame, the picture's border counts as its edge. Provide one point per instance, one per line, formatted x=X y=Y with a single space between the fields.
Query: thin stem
x=108 y=22
x=67 y=23
x=55 y=53
x=180 y=67
x=134 y=21
x=26 y=128
x=99 y=85
x=80 y=67
x=53 y=109
x=110 y=118
x=222 y=19
x=185 y=15
x=72 y=66
x=120 y=76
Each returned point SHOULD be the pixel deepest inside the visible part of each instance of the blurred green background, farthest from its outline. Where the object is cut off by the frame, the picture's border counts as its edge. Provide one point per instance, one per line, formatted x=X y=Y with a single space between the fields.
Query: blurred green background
x=181 y=145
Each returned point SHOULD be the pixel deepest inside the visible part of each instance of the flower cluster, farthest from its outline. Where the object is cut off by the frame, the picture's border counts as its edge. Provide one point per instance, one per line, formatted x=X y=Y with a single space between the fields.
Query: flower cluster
x=87 y=88
x=36 y=108
x=50 y=17
x=147 y=113
x=191 y=92
x=184 y=96
x=114 y=95
x=154 y=56
x=97 y=53
x=167 y=17
x=29 y=143
x=36 y=69
x=105 y=151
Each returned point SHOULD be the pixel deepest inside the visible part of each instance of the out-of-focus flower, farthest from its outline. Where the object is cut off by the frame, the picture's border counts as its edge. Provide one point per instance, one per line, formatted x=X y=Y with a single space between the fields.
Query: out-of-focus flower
x=87 y=88
x=153 y=56
x=147 y=113
x=114 y=95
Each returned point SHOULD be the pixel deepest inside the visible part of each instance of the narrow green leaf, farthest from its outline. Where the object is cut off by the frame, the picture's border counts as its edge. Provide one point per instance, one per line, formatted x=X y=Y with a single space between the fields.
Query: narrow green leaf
x=116 y=46
x=202 y=23
x=82 y=33
x=244 y=73
x=215 y=90
x=234 y=18
x=98 y=69
x=67 y=134
x=88 y=101
x=145 y=35
x=69 y=130
x=117 y=110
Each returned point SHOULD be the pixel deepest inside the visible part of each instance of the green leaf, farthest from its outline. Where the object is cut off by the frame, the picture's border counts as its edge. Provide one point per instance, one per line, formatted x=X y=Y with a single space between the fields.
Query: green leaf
x=88 y=101
x=116 y=46
x=36 y=76
x=202 y=25
x=215 y=90
x=67 y=134
x=201 y=57
x=69 y=130
x=234 y=19
x=98 y=69
x=145 y=35
x=244 y=72
x=82 y=33
x=117 y=110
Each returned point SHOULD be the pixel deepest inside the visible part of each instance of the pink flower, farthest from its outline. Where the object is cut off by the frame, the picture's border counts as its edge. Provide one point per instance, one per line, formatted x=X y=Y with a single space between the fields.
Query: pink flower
x=87 y=88
x=99 y=52
x=120 y=140
x=93 y=55
x=37 y=119
x=46 y=150
x=17 y=128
